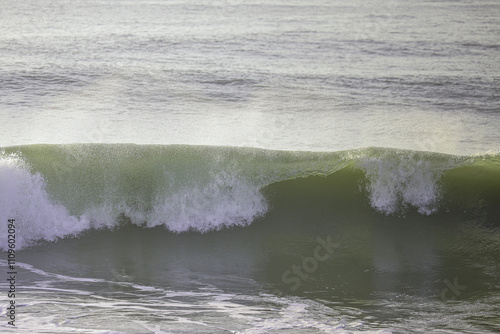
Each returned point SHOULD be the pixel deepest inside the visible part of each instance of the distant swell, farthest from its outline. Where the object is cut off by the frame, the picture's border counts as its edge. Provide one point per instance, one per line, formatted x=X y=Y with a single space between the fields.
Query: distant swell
x=55 y=191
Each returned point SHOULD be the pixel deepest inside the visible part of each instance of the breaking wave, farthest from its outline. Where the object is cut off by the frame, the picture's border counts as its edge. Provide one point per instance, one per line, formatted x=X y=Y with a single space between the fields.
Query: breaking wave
x=54 y=191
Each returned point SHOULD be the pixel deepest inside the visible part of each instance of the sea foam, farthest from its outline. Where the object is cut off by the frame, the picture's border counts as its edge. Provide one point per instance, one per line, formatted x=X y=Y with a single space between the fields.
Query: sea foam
x=23 y=197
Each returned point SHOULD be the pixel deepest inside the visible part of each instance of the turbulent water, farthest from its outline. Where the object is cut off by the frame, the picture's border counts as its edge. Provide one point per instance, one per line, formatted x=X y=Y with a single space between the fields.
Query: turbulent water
x=173 y=236
x=250 y=167
x=60 y=190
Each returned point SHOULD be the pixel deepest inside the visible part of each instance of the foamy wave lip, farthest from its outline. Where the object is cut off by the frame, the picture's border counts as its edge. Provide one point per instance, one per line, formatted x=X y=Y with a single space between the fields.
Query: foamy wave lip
x=23 y=197
x=400 y=182
x=226 y=201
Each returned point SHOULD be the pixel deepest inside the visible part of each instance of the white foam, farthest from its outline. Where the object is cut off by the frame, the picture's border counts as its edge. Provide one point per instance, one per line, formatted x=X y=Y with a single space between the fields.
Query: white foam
x=401 y=181
x=225 y=200
x=23 y=197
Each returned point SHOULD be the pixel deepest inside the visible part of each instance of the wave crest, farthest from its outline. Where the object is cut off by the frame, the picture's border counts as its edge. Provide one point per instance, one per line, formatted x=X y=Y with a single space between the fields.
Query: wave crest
x=25 y=199
x=53 y=191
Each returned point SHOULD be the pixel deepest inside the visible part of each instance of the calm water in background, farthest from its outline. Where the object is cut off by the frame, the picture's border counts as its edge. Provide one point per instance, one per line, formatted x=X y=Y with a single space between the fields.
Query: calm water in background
x=417 y=234
x=322 y=75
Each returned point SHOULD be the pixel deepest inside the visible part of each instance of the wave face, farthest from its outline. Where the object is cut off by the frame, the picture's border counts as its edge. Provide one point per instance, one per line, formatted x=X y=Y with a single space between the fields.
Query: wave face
x=55 y=191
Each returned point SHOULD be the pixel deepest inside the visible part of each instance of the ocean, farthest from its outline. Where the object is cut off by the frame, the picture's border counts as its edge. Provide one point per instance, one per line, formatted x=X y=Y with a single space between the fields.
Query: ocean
x=249 y=167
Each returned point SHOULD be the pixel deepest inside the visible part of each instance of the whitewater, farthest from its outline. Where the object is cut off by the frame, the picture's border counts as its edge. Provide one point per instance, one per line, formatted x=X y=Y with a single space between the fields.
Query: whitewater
x=62 y=190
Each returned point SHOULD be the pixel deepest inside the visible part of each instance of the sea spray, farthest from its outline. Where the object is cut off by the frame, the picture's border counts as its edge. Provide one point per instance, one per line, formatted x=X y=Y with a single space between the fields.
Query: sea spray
x=397 y=179
x=201 y=189
x=23 y=197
